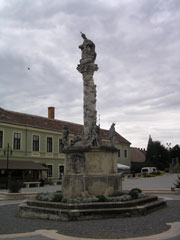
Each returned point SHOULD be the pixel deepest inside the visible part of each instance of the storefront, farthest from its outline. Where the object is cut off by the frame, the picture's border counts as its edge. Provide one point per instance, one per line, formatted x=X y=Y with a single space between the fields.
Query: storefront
x=22 y=171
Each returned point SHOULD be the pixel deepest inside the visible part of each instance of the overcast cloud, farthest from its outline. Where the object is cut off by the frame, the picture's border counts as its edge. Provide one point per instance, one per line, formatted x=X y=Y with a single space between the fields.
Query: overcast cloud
x=137 y=45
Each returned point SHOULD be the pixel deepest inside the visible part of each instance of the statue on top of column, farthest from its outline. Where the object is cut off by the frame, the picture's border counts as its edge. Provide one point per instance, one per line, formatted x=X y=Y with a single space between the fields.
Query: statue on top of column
x=88 y=50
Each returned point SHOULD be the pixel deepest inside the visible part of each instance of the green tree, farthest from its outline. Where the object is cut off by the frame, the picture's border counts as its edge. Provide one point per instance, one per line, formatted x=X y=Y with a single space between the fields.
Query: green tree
x=175 y=152
x=157 y=155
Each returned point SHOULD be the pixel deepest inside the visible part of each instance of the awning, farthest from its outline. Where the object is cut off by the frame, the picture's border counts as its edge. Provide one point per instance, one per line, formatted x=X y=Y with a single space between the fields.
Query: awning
x=122 y=166
x=21 y=165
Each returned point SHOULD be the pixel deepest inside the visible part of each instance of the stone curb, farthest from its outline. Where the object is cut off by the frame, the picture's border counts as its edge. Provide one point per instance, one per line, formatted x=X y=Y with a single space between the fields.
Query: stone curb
x=161 y=191
x=16 y=196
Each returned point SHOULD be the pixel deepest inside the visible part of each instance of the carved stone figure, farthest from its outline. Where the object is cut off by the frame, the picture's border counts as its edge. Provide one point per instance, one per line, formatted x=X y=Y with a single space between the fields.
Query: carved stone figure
x=76 y=163
x=97 y=139
x=112 y=135
x=88 y=50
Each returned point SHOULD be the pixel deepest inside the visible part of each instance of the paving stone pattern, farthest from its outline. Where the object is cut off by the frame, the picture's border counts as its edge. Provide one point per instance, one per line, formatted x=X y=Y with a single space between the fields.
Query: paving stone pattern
x=153 y=223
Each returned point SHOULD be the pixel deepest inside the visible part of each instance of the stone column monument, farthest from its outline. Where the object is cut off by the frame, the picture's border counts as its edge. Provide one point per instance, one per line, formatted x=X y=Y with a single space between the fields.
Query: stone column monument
x=87 y=69
x=91 y=168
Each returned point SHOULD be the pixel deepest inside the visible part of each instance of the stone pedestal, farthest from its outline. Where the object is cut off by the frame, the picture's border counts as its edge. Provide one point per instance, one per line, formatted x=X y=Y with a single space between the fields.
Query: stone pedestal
x=91 y=172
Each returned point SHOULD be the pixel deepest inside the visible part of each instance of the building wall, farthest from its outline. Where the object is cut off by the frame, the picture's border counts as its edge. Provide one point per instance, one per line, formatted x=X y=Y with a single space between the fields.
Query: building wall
x=124 y=156
x=55 y=158
x=26 y=152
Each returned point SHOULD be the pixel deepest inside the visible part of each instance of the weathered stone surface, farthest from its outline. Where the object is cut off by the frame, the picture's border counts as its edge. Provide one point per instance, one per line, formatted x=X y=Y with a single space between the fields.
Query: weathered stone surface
x=91 y=186
x=87 y=67
x=73 y=185
x=91 y=168
x=91 y=172
x=85 y=211
x=75 y=163
x=101 y=162
x=112 y=135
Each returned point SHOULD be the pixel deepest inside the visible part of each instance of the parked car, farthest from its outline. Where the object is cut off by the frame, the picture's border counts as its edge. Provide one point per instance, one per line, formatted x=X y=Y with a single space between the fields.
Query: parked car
x=149 y=170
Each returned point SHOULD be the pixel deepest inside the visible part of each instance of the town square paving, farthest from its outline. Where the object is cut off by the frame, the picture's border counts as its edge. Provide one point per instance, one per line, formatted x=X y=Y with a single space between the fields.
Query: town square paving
x=162 y=224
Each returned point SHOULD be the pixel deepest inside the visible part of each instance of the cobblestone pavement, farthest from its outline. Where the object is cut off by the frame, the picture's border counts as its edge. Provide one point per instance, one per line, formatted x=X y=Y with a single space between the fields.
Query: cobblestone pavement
x=117 y=228
x=153 y=226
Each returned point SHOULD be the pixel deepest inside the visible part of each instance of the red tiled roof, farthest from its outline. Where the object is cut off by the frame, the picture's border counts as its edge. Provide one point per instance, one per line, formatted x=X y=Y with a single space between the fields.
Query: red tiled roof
x=137 y=155
x=28 y=120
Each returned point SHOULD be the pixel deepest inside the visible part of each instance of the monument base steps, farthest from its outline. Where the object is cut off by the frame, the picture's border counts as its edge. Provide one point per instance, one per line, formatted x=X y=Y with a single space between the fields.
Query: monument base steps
x=89 y=211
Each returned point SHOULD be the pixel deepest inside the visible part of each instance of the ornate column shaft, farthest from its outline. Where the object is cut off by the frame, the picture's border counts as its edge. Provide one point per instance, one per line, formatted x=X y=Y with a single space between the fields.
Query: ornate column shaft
x=87 y=69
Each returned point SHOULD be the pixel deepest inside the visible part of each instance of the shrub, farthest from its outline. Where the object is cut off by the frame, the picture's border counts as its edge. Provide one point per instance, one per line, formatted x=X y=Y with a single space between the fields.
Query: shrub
x=125 y=198
x=101 y=198
x=121 y=198
x=79 y=199
x=50 y=197
x=137 y=189
x=44 y=196
x=134 y=193
x=57 y=197
x=177 y=183
x=118 y=193
x=15 y=187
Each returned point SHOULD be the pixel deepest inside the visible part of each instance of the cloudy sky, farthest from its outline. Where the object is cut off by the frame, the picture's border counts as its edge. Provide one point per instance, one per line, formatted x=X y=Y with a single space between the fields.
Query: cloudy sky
x=138 y=54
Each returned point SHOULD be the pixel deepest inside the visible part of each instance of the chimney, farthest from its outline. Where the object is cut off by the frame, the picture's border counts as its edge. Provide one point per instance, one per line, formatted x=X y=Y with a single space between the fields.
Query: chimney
x=51 y=111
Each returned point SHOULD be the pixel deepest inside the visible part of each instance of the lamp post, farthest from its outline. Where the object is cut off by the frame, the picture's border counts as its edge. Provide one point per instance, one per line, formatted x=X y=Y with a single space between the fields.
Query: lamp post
x=168 y=146
x=169 y=155
x=7 y=152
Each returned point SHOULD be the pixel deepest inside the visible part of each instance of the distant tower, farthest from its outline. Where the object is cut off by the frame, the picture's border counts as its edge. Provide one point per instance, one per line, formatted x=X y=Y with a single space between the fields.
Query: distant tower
x=149 y=141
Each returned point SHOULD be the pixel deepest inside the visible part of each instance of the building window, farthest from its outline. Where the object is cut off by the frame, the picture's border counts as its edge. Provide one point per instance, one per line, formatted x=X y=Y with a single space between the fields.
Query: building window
x=49 y=144
x=119 y=153
x=61 y=145
x=35 y=143
x=17 y=141
x=50 y=168
x=1 y=139
x=125 y=153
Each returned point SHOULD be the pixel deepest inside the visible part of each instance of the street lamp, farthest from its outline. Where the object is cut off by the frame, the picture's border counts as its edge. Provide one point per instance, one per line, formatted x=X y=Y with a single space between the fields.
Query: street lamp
x=7 y=152
x=169 y=148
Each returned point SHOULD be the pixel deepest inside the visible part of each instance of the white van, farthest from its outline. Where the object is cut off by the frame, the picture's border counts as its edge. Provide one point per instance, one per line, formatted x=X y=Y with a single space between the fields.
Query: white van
x=149 y=170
